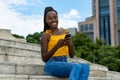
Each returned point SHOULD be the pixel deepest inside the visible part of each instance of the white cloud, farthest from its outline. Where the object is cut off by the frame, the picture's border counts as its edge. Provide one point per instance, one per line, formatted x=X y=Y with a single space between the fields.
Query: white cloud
x=23 y=2
x=22 y=25
x=72 y=14
x=69 y=19
x=67 y=23
x=17 y=2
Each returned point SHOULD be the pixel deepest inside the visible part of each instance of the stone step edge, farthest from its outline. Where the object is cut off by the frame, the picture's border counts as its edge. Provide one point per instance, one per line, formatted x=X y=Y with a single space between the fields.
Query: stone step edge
x=27 y=76
x=92 y=66
x=15 y=43
x=36 y=55
x=47 y=76
x=40 y=64
x=20 y=59
x=93 y=73
x=19 y=42
x=6 y=46
x=21 y=64
x=102 y=78
x=113 y=74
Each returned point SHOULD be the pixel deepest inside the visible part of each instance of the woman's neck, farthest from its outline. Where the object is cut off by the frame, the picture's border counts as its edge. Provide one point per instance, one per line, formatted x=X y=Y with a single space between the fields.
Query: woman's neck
x=54 y=30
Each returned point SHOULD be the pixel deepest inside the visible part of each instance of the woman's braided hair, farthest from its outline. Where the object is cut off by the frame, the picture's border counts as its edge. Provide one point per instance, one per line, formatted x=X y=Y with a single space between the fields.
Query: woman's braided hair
x=47 y=9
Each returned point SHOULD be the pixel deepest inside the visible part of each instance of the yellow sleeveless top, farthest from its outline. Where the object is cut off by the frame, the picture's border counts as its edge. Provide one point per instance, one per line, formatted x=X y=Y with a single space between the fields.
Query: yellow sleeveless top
x=62 y=51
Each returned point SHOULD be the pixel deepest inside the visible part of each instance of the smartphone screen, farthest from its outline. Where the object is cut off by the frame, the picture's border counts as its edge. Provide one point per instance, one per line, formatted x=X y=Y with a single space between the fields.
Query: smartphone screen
x=67 y=35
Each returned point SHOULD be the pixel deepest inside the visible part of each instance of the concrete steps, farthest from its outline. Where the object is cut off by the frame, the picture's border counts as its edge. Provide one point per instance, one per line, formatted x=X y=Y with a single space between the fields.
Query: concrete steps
x=6 y=34
x=22 y=61
x=28 y=77
x=22 y=45
x=42 y=77
x=28 y=62
x=36 y=69
x=21 y=69
x=19 y=55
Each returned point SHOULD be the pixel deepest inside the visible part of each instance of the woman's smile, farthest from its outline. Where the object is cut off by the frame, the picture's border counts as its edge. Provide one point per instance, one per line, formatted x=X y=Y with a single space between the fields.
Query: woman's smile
x=54 y=24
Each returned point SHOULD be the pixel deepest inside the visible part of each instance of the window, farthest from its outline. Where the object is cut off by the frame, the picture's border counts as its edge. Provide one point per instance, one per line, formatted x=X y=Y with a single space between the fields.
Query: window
x=86 y=27
x=81 y=28
x=90 y=26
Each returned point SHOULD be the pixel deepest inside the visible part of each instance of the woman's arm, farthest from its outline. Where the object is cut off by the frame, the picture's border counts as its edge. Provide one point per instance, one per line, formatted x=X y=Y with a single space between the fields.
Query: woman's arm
x=44 y=47
x=70 y=48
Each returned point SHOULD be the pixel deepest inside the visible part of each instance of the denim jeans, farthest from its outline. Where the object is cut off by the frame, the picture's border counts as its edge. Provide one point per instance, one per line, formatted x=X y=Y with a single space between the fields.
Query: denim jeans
x=59 y=67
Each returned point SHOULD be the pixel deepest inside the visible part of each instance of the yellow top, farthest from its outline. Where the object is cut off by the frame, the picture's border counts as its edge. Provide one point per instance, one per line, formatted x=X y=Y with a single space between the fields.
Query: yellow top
x=62 y=51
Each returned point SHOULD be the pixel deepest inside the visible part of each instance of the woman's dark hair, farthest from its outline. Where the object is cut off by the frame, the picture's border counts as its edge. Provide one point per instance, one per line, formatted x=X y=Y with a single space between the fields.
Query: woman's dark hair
x=47 y=9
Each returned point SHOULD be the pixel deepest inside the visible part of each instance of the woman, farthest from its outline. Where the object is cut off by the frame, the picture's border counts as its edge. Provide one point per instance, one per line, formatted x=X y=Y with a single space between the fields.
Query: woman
x=55 y=48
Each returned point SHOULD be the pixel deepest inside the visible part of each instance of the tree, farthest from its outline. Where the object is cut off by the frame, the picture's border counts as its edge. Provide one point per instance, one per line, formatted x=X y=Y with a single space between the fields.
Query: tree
x=34 y=38
x=83 y=45
x=97 y=52
x=18 y=36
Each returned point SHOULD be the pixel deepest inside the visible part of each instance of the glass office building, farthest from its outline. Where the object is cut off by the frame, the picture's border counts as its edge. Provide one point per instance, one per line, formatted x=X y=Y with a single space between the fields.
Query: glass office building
x=107 y=14
x=118 y=18
x=106 y=22
x=87 y=27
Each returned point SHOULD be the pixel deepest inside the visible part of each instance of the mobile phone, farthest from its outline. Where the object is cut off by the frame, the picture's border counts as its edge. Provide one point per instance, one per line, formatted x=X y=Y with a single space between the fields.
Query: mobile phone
x=67 y=35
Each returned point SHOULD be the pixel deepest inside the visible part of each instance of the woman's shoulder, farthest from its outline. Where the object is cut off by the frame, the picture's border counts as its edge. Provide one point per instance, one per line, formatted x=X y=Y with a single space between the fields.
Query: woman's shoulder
x=45 y=36
x=47 y=32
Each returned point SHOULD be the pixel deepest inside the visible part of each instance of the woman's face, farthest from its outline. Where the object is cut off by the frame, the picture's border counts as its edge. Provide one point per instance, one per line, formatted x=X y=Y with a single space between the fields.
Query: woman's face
x=52 y=19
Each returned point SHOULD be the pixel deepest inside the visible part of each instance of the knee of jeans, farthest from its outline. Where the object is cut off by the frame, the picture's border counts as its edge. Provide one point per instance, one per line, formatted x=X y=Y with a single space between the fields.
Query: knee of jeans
x=86 y=67
x=78 y=66
x=46 y=68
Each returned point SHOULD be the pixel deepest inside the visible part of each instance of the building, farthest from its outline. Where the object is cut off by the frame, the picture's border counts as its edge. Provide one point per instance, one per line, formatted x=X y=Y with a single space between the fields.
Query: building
x=72 y=31
x=107 y=16
x=88 y=27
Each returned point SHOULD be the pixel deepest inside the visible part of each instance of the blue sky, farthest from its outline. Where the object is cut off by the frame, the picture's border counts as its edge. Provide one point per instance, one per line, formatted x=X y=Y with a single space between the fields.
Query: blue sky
x=25 y=17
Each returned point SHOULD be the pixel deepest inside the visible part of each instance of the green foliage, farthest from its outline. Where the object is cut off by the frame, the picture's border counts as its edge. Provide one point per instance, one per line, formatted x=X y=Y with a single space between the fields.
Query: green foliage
x=34 y=38
x=118 y=48
x=83 y=45
x=80 y=39
x=97 y=52
x=18 y=36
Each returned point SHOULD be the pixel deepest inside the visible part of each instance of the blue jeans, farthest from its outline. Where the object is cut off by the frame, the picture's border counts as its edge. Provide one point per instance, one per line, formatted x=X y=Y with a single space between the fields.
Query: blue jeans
x=59 y=67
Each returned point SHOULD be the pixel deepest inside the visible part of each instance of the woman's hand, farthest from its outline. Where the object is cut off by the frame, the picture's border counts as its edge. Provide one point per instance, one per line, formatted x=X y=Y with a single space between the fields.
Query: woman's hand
x=67 y=41
x=63 y=42
x=60 y=43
